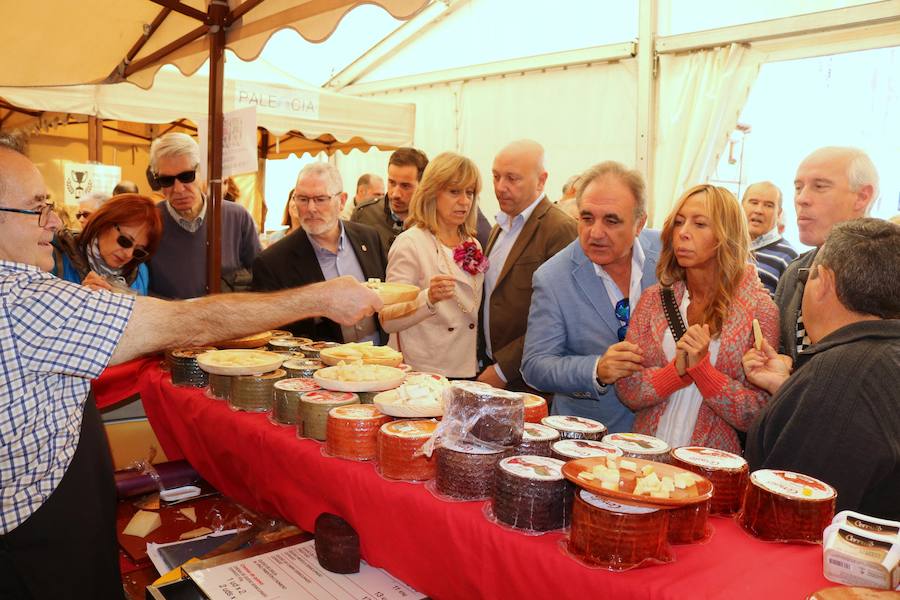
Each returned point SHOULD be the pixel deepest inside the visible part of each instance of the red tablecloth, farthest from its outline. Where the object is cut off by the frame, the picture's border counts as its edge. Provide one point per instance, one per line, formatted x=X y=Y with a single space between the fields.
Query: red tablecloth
x=446 y=550
x=120 y=382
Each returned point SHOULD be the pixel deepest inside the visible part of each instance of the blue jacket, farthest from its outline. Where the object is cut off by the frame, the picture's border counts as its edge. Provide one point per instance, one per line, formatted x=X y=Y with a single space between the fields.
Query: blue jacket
x=571 y=324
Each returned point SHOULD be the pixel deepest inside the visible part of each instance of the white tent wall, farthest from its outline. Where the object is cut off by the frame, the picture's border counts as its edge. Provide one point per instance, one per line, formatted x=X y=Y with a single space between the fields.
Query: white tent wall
x=698 y=97
x=568 y=110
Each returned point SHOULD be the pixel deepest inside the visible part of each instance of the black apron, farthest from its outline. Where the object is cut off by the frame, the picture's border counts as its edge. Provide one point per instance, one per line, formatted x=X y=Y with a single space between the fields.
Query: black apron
x=67 y=548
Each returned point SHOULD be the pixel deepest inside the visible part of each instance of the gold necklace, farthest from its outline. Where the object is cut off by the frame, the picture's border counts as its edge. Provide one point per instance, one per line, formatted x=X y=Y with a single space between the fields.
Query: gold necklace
x=475 y=284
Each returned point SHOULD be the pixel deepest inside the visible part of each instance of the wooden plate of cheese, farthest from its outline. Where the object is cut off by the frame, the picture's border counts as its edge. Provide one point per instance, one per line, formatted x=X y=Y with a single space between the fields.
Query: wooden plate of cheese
x=239 y=362
x=257 y=340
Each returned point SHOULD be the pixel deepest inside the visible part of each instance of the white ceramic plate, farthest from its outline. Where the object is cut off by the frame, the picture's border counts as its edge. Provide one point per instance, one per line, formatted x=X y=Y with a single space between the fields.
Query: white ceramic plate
x=239 y=362
x=393 y=377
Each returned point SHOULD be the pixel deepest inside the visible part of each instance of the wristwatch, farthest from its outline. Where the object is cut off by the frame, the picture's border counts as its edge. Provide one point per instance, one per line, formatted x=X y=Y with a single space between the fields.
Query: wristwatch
x=601 y=385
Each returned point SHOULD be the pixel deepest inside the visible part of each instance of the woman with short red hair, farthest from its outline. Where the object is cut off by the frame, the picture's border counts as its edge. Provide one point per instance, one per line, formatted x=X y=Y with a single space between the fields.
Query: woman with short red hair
x=112 y=250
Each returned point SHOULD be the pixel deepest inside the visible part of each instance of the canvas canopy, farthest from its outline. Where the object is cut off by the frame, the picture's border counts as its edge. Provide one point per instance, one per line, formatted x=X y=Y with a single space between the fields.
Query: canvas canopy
x=299 y=117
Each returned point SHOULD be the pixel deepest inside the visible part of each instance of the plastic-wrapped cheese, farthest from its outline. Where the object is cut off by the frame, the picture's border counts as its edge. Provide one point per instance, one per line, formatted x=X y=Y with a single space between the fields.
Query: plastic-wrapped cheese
x=466 y=471
x=399 y=453
x=787 y=507
x=860 y=557
x=575 y=428
x=616 y=535
x=638 y=445
x=537 y=440
x=352 y=431
x=531 y=493
x=728 y=473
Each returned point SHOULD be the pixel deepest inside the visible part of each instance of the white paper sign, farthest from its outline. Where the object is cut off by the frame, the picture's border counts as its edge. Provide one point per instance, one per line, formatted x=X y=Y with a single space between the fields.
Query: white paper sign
x=81 y=179
x=277 y=100
x=293 y=573
x=238 y=143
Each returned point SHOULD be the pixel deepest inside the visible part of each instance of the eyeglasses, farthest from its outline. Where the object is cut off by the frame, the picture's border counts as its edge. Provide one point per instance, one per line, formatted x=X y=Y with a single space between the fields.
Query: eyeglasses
x=184 y=177
x=317 y=200
x=138 y=253
x=623 y=314
x=43 y=214
x=82 y=214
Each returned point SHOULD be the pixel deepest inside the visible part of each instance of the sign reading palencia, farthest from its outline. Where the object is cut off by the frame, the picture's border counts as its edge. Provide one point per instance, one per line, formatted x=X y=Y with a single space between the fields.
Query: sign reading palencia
x=277 y=99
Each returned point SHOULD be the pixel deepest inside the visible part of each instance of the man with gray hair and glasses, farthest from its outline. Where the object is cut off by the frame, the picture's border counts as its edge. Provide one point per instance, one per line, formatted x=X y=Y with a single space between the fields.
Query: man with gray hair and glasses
x=326 y=247
x=836 y=416
x=178 y=268
x=57 y=493
x=833 y=184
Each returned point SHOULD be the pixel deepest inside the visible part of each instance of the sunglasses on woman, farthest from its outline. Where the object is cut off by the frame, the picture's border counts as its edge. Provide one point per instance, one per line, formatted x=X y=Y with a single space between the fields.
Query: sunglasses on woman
x=138 y=253
x=184 y=177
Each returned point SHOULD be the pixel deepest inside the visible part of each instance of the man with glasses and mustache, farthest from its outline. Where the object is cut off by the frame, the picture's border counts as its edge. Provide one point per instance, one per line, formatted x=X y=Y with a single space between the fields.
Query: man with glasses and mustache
x=327 y=247
x=583 y=296
x=833 y=184
x=57 y=494
x=178 y=269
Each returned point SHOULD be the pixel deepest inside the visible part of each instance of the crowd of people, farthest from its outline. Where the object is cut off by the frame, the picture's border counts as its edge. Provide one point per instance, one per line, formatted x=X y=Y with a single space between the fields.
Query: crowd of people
x=645 y=331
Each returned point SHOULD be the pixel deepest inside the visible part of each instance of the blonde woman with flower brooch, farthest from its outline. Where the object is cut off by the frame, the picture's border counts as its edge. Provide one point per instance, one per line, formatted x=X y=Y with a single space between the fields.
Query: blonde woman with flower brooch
x=438 y=252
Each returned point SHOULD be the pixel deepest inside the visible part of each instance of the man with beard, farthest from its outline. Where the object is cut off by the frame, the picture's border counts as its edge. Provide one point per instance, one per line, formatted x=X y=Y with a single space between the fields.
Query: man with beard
x=327 y=248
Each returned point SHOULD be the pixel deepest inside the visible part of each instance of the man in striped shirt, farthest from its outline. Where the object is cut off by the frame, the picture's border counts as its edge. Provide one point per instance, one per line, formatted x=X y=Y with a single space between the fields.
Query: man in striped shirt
x=773 y=253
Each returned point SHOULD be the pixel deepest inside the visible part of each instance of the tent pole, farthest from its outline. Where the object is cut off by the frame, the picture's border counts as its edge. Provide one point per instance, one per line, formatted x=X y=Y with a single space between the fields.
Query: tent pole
x=95 y=139
x=217 y=13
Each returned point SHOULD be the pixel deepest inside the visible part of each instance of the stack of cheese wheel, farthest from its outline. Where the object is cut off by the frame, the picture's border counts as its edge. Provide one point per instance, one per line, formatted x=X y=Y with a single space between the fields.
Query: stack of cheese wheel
x=312 y=350
x=301 y=367
x=536 y=440
x=352 y=431
x=286 y=402
x=616 y=535
x=484 y=414
x=183 y=366
x=465 y=471
x=566 y=450
x=219 y=386
x=728 y=473
x=314 y=409
x=399 y=452
x=638 y=445
x=288 y=344
x=787 y=507
x=575 y=428
x=254 y=393
x=531 y=493
x=535 y=408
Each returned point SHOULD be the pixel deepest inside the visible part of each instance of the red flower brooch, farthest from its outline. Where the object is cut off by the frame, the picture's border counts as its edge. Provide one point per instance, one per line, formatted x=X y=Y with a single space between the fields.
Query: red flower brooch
x=470 y=258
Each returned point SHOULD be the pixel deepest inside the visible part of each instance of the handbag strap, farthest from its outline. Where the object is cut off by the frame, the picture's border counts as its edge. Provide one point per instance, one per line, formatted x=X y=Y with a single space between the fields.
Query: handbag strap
x=673 y=315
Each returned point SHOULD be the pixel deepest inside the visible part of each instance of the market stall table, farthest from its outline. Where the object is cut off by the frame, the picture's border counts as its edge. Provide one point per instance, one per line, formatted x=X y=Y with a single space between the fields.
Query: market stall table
x=445 y=550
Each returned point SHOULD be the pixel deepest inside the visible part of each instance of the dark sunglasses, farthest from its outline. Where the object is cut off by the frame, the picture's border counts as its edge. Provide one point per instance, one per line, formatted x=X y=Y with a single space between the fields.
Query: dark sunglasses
x=139 y=254
x=623 y=314
x=184 y=177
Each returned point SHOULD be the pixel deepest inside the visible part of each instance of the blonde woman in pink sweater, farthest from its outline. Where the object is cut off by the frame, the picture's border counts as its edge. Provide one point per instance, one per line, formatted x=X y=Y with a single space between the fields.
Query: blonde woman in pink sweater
x=692 y=390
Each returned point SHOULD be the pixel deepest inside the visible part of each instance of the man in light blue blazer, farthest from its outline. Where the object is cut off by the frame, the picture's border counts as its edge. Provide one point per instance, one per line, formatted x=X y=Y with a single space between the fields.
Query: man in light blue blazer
x=574 y=345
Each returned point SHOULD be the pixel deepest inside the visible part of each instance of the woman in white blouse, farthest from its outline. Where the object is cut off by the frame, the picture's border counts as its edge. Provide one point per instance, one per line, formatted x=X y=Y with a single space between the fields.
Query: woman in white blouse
x=438 y=252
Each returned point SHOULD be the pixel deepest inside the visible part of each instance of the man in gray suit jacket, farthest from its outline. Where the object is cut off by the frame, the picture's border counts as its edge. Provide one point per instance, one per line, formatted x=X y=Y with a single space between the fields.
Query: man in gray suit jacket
x=579 y=314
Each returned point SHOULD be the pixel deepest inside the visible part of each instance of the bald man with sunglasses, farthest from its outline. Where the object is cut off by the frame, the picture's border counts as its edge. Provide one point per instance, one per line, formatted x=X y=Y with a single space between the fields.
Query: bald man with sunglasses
x=178 y=268
x=57 y=494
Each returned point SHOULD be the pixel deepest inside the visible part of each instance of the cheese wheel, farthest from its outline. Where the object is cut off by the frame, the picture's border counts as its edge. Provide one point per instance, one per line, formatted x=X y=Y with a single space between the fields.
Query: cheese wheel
x=571 y=427
x=254 y=393
x=566 y=450
x=787 y=507
x=638 y=445
x=466 y=471
x=184 y=368
x=337 y=544
x=535 y=408
x=483 y=414
x=352 y=431
x=537 y=440
x=531 y=493
x=728 y=473
x=314 y=408
x=286 y=399
x=399 y=450
x=616 y=535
